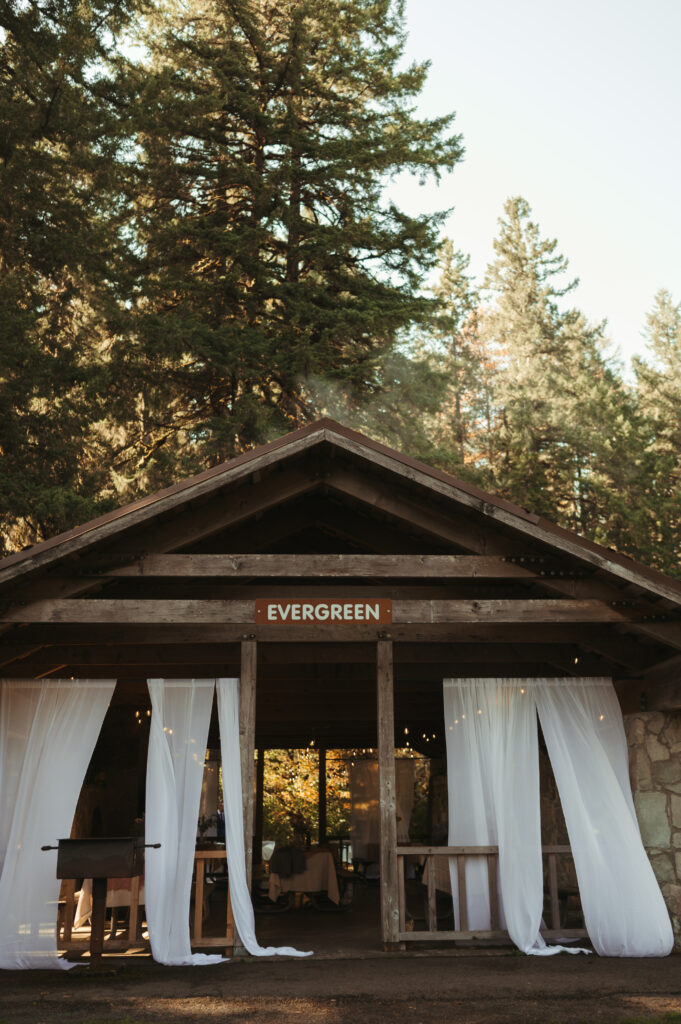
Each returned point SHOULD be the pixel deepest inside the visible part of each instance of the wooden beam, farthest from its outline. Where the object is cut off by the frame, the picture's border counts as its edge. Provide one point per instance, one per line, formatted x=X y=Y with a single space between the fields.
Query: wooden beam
x=284 y=661
x=145 y=513
x=387 y=799
x=526 y=524
x=324 y=682
x=159 y=611
x=327 y=567
x=666 y=673
x=423 y=516
x=662 y=686
x=605 y=638
x=12 y=654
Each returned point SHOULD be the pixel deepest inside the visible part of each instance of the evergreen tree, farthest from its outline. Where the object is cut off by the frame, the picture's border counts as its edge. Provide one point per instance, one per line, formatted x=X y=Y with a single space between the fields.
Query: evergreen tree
x=56 y=155
x=658 y=382
x=463 y=427
x=566 y=443
x=269 y=258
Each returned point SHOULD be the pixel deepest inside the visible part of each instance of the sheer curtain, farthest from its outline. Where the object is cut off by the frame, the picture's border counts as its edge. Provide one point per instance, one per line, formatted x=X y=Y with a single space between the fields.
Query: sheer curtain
x=364 y=817
x=492 y=768
x=48 y=730
x=180 y=717
x=493 y=775
x=623 y=907
x=228 y=712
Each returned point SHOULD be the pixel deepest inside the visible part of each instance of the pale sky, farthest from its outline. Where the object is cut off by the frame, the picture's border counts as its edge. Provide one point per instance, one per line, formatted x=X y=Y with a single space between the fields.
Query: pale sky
x=577 y=107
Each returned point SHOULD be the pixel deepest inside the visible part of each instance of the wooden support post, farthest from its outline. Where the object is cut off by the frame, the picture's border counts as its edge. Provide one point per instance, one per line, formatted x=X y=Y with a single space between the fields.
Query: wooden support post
x=321 y=807
x=390 y=913
x=463 y=896
x=97 y=920
x=492 y=877
x=249 y=657
x=402 y=893
x=259 y=805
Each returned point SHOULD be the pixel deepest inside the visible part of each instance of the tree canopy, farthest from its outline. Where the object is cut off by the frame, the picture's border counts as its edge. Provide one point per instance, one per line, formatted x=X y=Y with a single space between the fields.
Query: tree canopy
x=199 y=252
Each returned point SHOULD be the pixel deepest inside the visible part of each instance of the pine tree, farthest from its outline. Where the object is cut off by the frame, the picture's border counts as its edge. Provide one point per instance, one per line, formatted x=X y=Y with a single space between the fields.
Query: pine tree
x=463 y=426
x=270 y=262
x=56 y=155
x=567 y=443
x=658 y=385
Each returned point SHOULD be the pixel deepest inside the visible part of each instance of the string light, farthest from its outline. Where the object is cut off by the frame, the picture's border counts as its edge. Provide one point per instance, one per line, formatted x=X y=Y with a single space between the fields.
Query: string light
x=406 y=731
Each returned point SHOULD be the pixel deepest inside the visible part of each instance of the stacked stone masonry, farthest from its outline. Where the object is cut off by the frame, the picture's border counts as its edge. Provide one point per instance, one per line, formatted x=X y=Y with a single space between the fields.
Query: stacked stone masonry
x=654 y=739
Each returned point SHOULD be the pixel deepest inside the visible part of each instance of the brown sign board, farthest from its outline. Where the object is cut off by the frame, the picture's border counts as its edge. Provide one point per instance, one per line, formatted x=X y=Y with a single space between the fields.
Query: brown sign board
x=289 y=611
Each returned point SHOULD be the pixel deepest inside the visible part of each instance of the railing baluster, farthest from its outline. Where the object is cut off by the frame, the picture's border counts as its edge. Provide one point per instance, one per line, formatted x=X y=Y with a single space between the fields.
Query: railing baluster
x=553 y=891
x=492 y=862
x=432 y=905
x=401 y=895
x=463 y=900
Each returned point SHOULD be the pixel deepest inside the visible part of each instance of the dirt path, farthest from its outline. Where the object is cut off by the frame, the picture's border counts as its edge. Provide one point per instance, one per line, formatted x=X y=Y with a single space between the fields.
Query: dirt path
x=478 y=989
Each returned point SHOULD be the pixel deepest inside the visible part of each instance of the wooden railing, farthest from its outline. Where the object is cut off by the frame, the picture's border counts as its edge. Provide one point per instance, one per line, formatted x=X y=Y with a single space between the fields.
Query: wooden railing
x=463 y=933
x=130 y=934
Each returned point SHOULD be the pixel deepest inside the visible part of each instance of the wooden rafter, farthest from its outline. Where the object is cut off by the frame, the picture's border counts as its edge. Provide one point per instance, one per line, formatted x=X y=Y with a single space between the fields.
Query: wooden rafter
x=328 y=567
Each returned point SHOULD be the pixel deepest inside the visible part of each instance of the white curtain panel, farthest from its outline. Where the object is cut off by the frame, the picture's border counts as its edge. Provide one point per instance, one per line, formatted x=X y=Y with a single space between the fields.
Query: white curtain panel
x=364 y=821
x=228 y=713
x=48 y=730
x=493 y=783
x=623 y=907
x=180 y=718
x=365 y=825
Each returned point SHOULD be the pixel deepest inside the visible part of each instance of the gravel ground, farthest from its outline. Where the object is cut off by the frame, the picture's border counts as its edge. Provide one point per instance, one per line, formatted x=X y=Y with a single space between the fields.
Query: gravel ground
x=415 y=989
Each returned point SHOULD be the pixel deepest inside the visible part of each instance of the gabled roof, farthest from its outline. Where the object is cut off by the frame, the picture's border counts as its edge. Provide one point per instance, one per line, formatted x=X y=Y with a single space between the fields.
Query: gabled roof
x=114 y=525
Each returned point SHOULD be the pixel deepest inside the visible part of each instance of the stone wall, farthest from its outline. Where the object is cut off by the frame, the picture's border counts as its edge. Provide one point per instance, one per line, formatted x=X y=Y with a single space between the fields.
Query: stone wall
x=654 y=740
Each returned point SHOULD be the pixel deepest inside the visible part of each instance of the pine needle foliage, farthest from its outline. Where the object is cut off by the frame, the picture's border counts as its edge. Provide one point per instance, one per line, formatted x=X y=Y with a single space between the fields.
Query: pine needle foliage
x=270 y=263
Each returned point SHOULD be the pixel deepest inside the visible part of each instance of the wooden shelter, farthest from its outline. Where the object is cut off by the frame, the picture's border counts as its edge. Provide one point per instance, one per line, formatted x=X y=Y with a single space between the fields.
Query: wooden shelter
x=342 y=581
